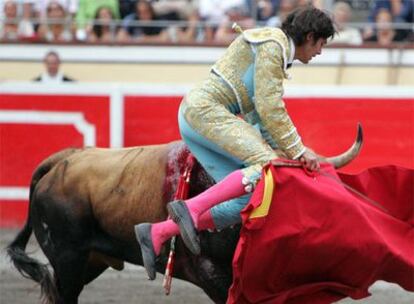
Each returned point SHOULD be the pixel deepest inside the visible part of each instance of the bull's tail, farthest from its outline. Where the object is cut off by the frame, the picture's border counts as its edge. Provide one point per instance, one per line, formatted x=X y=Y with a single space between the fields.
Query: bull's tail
x=27 y=266
x=31 y=268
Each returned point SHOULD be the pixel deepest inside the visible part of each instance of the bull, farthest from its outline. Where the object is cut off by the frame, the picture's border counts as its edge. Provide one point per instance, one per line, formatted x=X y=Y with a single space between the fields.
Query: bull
x=84 y=203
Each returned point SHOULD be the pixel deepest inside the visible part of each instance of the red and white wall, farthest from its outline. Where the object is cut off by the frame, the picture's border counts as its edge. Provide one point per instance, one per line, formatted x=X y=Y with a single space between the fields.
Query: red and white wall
x=37 y=120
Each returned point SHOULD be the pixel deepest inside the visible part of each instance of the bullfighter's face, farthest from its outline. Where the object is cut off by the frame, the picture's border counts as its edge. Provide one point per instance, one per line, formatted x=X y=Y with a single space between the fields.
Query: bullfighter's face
x=310 y=48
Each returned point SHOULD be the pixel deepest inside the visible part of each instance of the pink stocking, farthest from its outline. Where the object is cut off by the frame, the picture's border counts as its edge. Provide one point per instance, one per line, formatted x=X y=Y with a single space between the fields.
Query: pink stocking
x=162 y=232
x=229 y=188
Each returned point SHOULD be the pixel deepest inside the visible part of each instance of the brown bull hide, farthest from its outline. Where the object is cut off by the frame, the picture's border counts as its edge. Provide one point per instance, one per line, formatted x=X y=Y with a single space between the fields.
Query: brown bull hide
x=124 y=186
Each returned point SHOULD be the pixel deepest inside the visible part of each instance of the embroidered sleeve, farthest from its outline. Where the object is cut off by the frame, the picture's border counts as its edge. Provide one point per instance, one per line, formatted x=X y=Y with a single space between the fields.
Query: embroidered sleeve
x=268 y=100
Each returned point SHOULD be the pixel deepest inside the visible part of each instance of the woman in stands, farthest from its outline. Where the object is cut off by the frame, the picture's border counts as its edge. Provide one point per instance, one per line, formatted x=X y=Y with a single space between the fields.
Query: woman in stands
x=57 y=27
x=104 y=30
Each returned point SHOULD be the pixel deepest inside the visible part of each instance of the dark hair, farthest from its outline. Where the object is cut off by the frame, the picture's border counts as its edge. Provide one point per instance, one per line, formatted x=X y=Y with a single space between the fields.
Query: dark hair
x=299 y=23
x=149 y=6
x=98 y=26
x=51 y=53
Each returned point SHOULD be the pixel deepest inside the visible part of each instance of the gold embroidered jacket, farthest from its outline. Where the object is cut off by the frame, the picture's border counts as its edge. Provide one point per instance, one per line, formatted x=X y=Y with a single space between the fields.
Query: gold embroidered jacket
x=254 y=66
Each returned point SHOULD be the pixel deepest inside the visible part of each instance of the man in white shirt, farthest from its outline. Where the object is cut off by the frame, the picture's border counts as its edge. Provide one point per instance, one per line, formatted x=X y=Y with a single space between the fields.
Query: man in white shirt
x=52 y=73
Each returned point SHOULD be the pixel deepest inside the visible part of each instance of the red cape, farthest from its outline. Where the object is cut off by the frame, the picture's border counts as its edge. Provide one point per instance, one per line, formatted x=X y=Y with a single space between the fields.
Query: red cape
x=320 y=242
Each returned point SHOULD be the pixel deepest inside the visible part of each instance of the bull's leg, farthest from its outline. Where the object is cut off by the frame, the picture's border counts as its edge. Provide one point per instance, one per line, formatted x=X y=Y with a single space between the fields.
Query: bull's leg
x=69 y=269
x=64 y=239
x=215 y=279
x=93 y=271
x=68 y=263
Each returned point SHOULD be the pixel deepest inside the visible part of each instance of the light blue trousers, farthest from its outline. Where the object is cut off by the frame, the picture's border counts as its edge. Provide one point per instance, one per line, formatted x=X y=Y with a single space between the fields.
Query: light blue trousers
x=218 y=164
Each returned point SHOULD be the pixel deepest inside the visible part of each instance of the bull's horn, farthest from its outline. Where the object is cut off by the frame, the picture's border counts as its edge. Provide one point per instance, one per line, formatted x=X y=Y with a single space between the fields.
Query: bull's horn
x=346 y=157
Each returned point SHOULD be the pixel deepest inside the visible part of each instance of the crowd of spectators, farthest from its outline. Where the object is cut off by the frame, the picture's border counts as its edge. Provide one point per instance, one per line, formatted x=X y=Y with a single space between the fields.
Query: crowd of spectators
x=189 y=21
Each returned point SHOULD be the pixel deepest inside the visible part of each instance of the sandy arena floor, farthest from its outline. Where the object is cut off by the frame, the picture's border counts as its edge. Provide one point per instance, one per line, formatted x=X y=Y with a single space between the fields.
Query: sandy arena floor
x=131 y=286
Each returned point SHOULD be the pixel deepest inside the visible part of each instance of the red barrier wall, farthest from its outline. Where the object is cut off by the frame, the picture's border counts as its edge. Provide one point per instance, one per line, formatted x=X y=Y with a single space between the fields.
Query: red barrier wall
x=150 y=119
x=50 y=123
x=327 y=124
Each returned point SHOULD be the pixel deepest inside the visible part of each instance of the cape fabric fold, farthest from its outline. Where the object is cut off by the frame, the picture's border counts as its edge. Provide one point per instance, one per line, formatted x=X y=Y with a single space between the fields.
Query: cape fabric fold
x=310 y=239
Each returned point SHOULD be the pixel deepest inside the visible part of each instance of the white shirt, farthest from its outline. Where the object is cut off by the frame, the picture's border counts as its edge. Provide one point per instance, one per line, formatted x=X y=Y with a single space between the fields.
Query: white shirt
x=215 y=10
x=348 y=35
x=46 y=78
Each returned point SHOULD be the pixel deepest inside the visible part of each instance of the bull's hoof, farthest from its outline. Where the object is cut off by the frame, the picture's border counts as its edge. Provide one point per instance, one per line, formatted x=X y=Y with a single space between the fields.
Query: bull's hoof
x=143 y=235
x=179 y=213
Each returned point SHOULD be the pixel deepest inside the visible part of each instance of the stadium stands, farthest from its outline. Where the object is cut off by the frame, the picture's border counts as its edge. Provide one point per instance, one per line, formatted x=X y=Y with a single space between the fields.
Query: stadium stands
x=174 y=21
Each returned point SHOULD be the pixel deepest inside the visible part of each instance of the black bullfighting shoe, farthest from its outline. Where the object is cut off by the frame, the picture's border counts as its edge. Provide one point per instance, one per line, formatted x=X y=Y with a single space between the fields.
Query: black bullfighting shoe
x=179 y=213
x=143 y=235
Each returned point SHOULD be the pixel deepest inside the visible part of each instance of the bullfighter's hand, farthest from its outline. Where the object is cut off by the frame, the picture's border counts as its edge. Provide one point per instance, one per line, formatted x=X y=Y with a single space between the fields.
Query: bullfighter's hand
x=310 y=160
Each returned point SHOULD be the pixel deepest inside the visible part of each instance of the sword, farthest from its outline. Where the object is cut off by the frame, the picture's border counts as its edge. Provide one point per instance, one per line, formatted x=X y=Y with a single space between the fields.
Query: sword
x=181 y=193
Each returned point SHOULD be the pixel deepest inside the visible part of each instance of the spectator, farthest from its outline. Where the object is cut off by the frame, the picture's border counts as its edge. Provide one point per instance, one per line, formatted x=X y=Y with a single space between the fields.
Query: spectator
x=265 y=9
x=172 y=9
x=192 y=33
x=25 y=14
x=213 y=12
x=126 y=7
x=285 y=7
x=402 y=11
x=26 y=25
x=9 y=25
x=104 y=29
x=12 y=27
x=316 y=3
x=40 y=7
x=345 y=34
x=145 y=31
x=385 y=33
x=238 y=13
x=87 y=12
x=57 y=26
x=52 y=73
